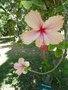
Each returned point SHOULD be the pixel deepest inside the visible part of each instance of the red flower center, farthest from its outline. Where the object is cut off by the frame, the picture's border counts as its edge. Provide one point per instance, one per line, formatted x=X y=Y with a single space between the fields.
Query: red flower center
x=42 y=30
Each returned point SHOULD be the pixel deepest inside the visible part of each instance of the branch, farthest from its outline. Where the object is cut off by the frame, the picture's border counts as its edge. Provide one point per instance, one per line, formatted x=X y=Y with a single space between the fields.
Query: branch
x=53 y=68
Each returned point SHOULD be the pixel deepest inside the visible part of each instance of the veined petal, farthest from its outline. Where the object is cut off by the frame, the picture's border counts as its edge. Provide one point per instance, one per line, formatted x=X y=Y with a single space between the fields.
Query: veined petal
x=27 y=64
x=16 y=66
x=42 y=39
x=29 y=37
x=33 y=19
x=46 y=40
x=39 y=41
x=21 y=60
x=19 y=71
x=54 y=23
x=55 y=37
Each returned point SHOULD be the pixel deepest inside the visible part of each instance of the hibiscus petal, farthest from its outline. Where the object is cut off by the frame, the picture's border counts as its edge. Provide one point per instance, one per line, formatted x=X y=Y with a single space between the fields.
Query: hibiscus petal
x=21 y=60
x=16 y=65
x=27 y=64
x=33 y=19
x=39 y=41
x=29 y=37
x=54 y=23
x=19 y=71
x=46 y=40
x=55 y=37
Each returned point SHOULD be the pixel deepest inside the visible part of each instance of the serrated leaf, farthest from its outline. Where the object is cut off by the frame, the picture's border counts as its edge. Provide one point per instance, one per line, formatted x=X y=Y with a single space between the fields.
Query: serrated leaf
x=60 y=46
x=37 y=3
x=51 y=47
x=26 y=4
x=58 y=52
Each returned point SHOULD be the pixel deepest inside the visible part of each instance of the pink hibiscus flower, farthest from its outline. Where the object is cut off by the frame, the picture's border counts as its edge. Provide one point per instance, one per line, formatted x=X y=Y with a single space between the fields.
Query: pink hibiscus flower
x=44 y=33
x=20 y=66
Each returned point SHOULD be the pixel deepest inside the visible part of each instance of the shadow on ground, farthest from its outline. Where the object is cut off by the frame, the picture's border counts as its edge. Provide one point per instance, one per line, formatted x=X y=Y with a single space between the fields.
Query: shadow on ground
x=8 y=76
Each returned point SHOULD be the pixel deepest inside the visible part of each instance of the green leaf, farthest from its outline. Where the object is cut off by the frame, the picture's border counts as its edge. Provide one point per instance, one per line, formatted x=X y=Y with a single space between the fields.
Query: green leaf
x=60 y=46
x=26 y=4
x=58 y=52
x=51 y=47
x=66 y=45
x=37 y=3
x=29 y=68
x=25 y=69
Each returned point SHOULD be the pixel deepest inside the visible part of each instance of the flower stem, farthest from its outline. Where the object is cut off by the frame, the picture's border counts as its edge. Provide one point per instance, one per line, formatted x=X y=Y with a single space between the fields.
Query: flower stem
x=43 y=56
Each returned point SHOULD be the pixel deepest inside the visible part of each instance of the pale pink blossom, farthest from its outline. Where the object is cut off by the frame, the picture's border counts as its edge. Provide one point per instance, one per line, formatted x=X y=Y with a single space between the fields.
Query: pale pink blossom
x=20 y=66
x=44 y=33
